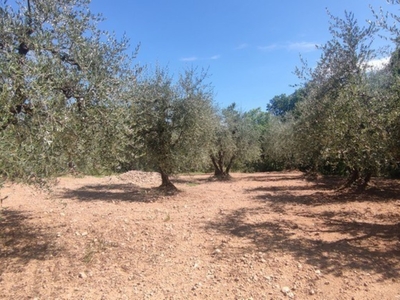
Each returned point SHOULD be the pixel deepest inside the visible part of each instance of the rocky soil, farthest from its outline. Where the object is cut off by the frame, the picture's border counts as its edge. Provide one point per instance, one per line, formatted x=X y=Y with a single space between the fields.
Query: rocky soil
x=259 y=236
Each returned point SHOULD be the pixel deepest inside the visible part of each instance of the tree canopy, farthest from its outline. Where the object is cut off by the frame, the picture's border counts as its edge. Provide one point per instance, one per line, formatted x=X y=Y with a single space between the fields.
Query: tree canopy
x=72 y=100
x=174 y=121
x=59 y=76
x=237 y=140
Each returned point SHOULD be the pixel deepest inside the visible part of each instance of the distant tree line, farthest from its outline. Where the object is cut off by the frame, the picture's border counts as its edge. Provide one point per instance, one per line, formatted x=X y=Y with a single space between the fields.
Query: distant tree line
x=72 y=100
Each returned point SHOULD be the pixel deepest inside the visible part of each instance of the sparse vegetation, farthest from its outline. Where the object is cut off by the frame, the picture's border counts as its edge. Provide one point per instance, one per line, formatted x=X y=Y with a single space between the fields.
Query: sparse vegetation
x=73 y=102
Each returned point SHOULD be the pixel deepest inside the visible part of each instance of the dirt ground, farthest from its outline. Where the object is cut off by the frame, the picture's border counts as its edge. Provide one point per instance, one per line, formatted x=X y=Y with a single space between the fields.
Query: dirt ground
x=259 y=236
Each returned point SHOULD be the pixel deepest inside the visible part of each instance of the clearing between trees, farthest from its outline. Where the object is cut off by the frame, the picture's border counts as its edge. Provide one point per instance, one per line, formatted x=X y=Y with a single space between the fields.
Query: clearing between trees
x=259 y=236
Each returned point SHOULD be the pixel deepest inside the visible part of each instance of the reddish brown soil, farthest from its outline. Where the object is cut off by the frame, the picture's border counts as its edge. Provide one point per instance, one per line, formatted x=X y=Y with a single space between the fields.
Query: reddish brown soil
x=260 y=236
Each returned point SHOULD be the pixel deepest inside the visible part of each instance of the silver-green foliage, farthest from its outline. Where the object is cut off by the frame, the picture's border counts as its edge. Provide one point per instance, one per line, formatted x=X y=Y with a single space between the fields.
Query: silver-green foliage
x=389 y=23
x=173 y=121
x=343 y=120
x=278 y=147
x=60 y=76
x=237 y=140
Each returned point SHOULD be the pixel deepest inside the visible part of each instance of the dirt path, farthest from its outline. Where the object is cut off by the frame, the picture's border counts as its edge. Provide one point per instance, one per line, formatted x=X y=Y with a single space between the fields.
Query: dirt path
x=261 y=236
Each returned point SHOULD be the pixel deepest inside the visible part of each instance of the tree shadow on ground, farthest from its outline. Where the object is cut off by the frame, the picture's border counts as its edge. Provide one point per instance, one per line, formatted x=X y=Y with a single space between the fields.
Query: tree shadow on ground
x=378 y=187
x=383 y=190
x=192 y=180
x=271 y=177
x=113 y=192
x=359 y=245
x=285 y=188
x=302 y=222
x=21 y=243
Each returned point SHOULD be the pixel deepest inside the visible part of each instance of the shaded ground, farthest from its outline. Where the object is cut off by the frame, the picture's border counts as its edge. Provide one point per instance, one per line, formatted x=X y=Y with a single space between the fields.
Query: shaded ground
x=260 y=236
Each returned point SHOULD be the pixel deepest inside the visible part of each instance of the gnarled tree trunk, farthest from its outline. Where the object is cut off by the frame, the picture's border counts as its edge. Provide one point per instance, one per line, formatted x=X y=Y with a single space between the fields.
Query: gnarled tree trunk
x=365 y=180
x=358 y=178
x=166 y=182
x=219 y=171
x=355 y=175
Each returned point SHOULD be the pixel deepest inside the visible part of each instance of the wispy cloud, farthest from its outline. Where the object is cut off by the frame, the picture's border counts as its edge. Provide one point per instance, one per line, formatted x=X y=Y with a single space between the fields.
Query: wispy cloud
x=194 y=58
x=297 y=46
x=191 y=58
x=302 y=46
x=269 y=47
x=242 y=46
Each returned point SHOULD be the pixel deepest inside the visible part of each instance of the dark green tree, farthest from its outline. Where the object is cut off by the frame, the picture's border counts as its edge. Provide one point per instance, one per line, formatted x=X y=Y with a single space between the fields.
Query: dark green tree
x=284 y=104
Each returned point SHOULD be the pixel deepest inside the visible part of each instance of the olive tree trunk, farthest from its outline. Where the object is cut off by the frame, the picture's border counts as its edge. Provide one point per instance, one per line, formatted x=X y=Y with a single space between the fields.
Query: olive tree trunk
x=166 y=182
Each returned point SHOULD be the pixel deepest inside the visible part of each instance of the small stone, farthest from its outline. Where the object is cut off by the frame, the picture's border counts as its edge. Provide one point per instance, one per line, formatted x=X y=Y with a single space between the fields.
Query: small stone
x=82 y=275
x=217 y=251
x=84 y=233
x=318 y=272
x=312 y=292
x=287 y=291
x=196 y=286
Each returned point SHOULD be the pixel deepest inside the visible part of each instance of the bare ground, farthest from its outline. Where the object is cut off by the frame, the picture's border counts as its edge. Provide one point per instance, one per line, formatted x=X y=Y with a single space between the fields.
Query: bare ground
x=260 y=236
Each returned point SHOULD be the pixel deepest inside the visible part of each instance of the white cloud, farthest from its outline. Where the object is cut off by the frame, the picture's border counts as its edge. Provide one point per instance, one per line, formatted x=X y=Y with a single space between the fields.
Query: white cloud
x=191 y=58
x=378 y=63
x=215 y=57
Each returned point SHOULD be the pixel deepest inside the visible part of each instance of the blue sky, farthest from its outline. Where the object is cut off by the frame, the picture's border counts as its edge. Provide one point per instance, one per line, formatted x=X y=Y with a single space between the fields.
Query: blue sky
x=250 y=47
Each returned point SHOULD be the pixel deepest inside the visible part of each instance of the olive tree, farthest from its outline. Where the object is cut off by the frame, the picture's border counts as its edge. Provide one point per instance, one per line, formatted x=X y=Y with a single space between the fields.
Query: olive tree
x=343 y=121
x=237 y=141
x=59 y=75
x=173 y=121
x=389 y=23
x=278 y=148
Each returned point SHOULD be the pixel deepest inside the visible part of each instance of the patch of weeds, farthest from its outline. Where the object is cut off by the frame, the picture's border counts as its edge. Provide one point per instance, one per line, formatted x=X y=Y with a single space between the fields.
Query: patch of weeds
x=167 y=218
x=95 y=246
x=192 y=183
